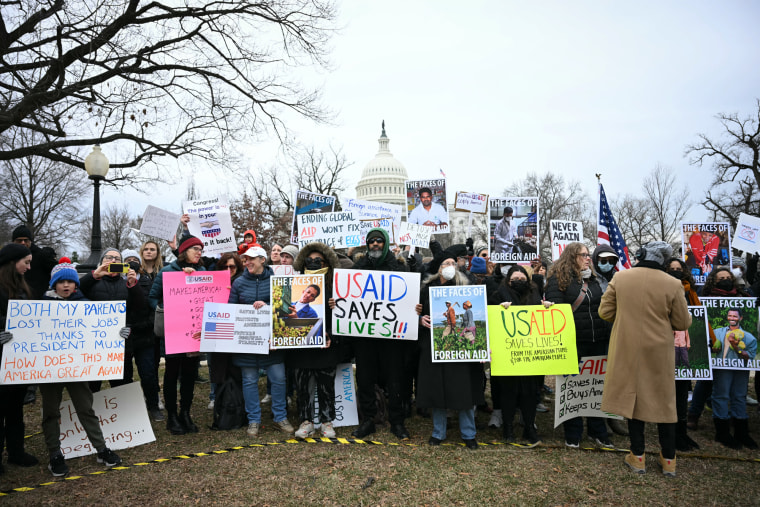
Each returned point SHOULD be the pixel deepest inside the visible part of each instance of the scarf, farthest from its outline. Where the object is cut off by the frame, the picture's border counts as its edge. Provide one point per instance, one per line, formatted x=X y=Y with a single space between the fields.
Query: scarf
x=725 y=293
x=691 y=296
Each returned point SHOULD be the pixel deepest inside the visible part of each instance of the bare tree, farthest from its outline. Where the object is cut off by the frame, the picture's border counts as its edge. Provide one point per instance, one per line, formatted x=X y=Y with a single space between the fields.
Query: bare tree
x=116 y=229
x=313 y=170
x=43 y=195
x=155 y=78
x=557 y=200
x=635 y=217
x=735 y=164
x=667 y=203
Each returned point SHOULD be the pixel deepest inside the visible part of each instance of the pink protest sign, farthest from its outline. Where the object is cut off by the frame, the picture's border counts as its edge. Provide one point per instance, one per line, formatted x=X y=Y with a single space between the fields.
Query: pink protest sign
x=184 y=296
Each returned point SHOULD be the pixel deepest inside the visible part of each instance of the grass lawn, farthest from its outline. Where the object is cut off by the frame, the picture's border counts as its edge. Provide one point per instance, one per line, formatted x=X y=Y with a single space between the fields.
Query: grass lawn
x=415 y=474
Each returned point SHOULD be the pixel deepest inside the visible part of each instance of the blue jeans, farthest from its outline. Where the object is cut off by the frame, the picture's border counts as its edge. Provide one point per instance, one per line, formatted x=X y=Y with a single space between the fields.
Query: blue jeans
x=702 y=391
x=276 y=373
x=466 y=423
x=730 y=388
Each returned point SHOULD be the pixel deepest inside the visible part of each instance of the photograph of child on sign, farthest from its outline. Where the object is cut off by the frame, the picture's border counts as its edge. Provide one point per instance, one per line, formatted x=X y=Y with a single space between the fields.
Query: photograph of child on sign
x=705 y=246
x=298 y=311
x=460 y=328
x=693 y=348
x=514 y=229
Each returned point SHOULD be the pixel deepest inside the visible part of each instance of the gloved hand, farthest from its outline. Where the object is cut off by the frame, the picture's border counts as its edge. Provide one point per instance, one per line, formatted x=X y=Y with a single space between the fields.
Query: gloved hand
x=124 y=332
x=5 y=337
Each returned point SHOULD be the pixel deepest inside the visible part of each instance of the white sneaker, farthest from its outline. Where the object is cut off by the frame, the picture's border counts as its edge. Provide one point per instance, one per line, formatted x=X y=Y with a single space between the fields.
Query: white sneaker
x=496 y=420
x=253 y=430
x=751 y=401
x=266 y=399
x=305 y=430
x=211 y=405
x=327 y=430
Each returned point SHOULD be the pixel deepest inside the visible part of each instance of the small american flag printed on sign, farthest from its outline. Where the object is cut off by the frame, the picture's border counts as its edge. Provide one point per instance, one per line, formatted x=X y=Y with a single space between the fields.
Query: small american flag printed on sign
x=219 y=331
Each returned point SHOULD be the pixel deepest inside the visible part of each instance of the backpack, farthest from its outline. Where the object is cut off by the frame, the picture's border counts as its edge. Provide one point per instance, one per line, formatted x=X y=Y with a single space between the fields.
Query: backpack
x=229 y=406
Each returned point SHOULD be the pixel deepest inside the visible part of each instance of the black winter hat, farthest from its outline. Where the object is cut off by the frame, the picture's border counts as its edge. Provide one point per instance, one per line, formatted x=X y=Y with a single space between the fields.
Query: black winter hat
x=13 y=252
x=22 y=231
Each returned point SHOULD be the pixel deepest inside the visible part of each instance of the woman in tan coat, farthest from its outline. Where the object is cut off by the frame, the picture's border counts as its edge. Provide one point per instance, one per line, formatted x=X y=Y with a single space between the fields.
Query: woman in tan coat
x=646 y=305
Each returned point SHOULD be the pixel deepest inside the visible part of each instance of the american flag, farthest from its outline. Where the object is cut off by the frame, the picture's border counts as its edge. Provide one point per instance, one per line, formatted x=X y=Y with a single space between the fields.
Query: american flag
x=608 y=233
x=219 y=331
x=442 y=173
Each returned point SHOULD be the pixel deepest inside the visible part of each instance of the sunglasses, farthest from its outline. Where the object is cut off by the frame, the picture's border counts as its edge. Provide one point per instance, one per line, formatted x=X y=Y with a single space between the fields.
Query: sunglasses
x=375 y=240
x=604 y=260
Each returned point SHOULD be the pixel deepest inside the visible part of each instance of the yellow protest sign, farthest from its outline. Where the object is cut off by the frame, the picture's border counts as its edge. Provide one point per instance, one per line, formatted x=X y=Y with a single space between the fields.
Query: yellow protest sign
x=532 y=340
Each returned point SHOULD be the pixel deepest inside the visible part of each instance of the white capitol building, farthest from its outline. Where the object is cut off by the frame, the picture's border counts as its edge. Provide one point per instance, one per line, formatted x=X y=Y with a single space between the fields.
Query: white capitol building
x=383 y=177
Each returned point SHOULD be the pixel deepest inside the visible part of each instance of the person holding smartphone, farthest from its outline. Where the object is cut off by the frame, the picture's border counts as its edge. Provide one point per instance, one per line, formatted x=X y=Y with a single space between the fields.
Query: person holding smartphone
x=105 y=283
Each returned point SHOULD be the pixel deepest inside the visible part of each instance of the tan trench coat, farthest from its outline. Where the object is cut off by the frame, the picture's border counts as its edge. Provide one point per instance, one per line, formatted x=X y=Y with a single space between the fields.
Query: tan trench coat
x=646 y=306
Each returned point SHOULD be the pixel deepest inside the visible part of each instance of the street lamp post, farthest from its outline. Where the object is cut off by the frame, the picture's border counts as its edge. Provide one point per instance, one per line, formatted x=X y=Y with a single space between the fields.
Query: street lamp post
x=96 y=164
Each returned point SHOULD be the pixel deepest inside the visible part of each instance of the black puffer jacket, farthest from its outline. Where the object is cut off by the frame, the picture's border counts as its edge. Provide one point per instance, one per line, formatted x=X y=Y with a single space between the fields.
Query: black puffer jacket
x=589 y=327
x=142 y=317
x=114 y=288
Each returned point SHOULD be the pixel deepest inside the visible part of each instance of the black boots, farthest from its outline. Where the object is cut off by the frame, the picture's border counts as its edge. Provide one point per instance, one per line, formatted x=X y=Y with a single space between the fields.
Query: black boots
x=741 y=434
x=187 y=424
x=723 y=434
x=683 y=442
x=365 y=429
x=172 y=422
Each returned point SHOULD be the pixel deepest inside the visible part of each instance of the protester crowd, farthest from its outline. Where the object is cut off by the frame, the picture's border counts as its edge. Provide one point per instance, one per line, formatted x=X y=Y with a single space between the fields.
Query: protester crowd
x=608 y=307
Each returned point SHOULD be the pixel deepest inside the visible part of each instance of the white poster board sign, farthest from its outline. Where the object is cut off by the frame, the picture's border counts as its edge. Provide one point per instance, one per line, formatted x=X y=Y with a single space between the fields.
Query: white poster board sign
x=474 y=203
x=414 y=235
x=367 y=225
x=123 y=420
x=364 y=210
x=336 y=230
x=346 y=407
x=210 y=221
x=235 y=328
x=63 y=341
x=564 y=232
x=747 y=234
x=283 y=270
x=159 y=223
x=581 y=395
x=376 y=304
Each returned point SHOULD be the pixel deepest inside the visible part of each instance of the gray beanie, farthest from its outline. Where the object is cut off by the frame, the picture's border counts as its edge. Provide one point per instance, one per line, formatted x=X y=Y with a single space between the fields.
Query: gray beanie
x=106 y=250
x=127 y=253
x=291 y=250
x=657 y=251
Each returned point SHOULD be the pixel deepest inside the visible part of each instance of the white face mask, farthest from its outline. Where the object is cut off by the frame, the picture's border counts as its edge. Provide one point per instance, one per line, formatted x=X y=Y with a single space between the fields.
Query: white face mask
x=448 y=272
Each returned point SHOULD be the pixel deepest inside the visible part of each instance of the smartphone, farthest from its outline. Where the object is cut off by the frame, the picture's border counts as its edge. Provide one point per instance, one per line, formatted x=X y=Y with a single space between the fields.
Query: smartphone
x=117 y=267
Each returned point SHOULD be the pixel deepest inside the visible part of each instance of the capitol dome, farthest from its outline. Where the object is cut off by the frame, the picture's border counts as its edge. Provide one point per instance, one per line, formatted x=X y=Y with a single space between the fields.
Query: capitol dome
x=383 y=177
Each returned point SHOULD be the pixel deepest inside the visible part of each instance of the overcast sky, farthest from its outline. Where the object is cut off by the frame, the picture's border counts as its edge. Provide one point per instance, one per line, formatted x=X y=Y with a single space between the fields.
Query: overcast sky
x=489 y=91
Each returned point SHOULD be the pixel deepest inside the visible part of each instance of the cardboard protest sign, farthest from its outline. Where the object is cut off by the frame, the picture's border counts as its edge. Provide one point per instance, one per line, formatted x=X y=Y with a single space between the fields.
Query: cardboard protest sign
x=283 y=269
x=123 y=421
x=414 y=235
x=297 y=313
x=474 y=203
x=693 y=348
x=159 y=223
x=375 y=304
x=734 y=324
x=63 y=341
x=336 y=230
x=459 y=336
x=747 y=234
x=235 y=328
x=307 y=203
x=705 y=247
x=346 y=407
x=184 y=296
x=581 y=395
x=365 y=210
x=426 y=204
x=210 y=221
x=366 y=225
x=564 y=232
x=514 y=229
x=532 y=340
